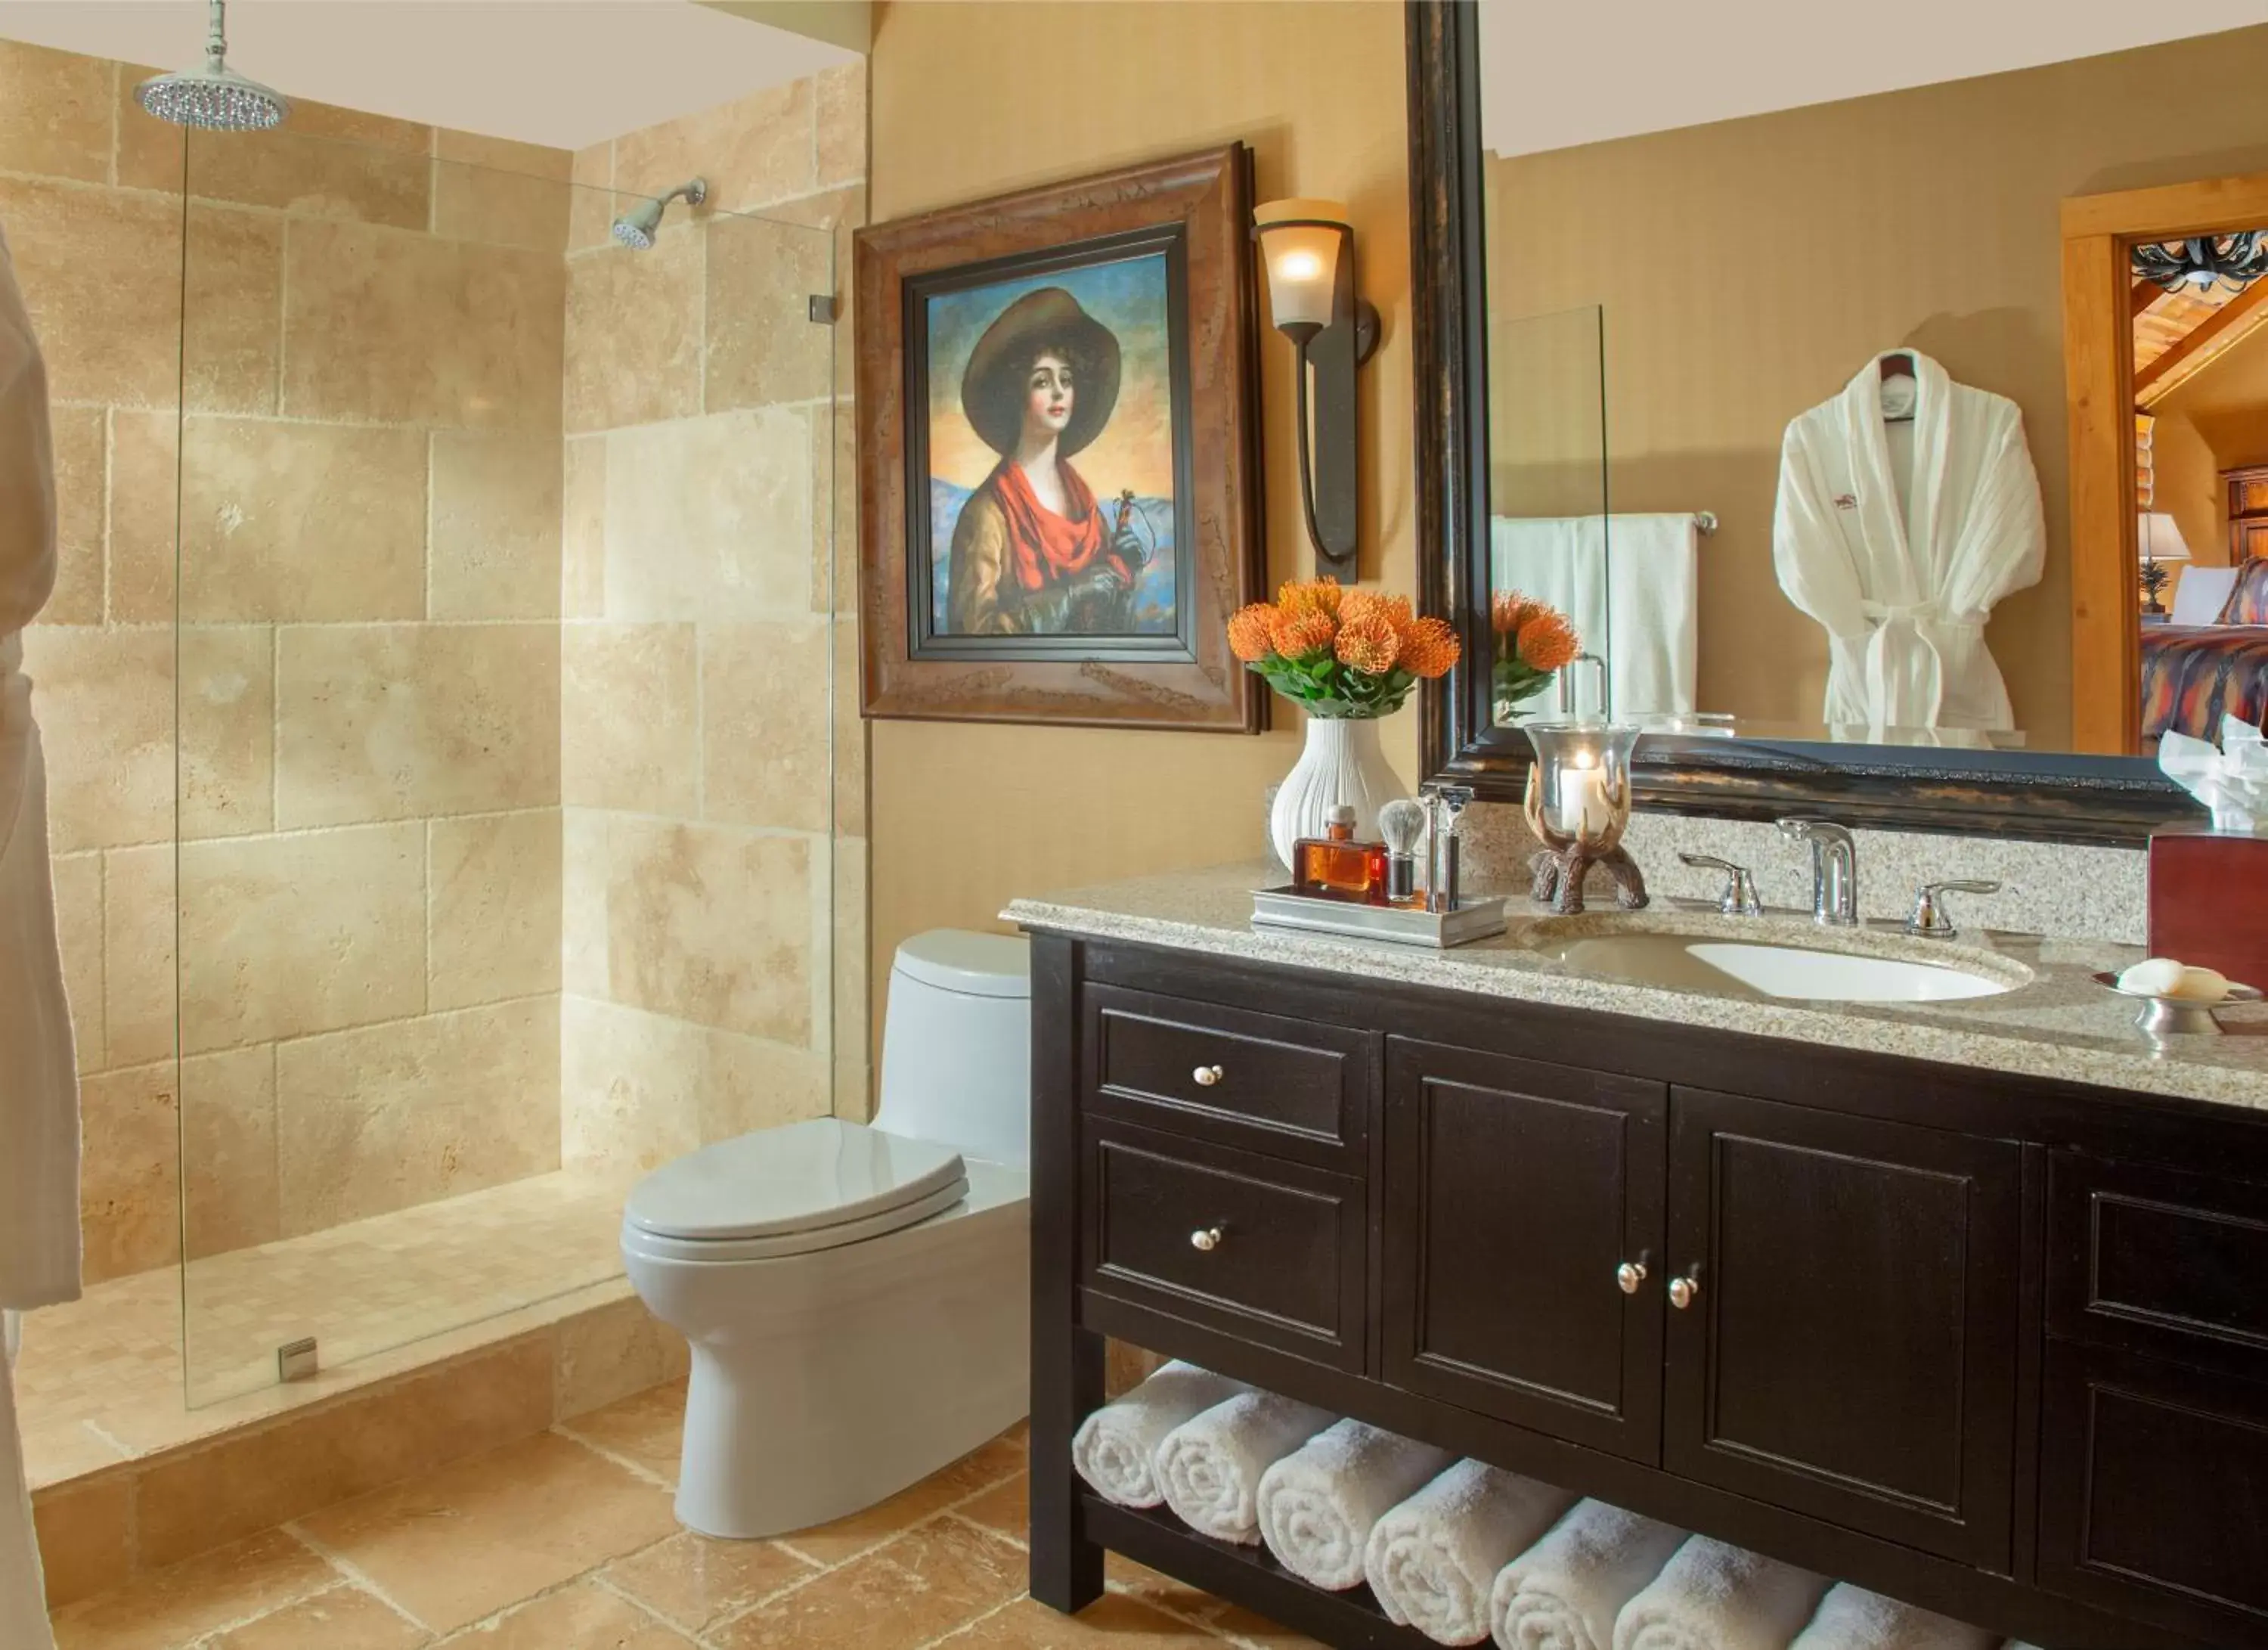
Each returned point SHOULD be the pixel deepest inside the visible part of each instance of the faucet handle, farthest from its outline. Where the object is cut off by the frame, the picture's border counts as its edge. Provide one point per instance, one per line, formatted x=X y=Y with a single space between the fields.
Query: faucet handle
x=1739 y=898
x=1930 y=919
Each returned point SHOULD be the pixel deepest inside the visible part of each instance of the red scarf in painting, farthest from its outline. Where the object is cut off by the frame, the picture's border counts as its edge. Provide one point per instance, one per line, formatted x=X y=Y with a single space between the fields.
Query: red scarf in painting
x=1048 y=546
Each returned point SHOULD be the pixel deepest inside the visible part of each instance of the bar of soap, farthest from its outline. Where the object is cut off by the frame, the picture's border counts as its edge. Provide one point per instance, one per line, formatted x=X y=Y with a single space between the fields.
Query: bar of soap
x=2160 y=976
x=2202 y=985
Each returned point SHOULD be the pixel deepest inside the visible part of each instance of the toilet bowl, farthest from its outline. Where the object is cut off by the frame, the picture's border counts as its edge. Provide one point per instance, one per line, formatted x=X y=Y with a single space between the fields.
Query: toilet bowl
x=855 y=1298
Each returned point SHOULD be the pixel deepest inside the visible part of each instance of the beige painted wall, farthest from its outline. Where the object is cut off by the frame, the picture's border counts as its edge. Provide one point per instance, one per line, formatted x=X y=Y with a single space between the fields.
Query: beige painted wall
x=967 y=817
x=1749 y=268
x=706 y=887
x=2217 y=421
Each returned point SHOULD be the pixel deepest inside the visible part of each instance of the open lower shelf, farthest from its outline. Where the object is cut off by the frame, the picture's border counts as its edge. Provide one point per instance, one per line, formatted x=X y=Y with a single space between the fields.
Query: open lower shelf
x=1250 y=1576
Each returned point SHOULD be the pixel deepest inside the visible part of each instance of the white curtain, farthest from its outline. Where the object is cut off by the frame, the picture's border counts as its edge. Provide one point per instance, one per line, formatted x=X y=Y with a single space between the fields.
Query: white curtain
x=1900 y=550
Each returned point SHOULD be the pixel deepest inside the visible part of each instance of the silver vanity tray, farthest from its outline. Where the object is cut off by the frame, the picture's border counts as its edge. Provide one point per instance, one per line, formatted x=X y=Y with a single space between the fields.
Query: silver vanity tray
x=1474 y=919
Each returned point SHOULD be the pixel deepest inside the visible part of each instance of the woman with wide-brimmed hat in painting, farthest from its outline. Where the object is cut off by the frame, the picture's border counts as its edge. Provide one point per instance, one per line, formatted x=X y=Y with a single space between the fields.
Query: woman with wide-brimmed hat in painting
x=1031 y=553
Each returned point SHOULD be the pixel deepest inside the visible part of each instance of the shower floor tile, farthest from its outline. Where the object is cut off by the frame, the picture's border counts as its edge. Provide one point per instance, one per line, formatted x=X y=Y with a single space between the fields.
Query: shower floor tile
x=101 y=1380
x=492 y=1554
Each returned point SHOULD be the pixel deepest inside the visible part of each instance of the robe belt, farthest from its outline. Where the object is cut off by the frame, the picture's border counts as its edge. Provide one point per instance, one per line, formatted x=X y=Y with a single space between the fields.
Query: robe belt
x=1920 y=618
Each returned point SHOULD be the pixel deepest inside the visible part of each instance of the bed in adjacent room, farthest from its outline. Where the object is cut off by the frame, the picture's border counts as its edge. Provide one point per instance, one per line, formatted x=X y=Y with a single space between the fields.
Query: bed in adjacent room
x=2212 y=658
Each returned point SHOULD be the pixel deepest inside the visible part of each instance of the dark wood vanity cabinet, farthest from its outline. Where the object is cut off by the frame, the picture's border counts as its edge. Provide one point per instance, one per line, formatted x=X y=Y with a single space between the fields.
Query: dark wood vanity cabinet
x=1996 y=1345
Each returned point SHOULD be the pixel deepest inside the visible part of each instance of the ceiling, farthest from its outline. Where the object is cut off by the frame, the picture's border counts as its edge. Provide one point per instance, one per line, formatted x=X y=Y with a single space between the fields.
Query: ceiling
x=567 y=73
x=1556 y=75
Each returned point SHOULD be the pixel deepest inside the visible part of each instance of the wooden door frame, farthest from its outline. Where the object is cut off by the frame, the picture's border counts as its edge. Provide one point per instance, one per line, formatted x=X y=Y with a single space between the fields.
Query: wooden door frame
x=2098 y=231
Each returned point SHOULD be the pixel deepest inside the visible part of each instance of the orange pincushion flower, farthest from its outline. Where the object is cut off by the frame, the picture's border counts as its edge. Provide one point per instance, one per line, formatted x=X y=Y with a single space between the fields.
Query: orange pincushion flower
x=1361 y=604
x=1430 y=648
x=1314 y=595
x=1298 y=635
x=1367 y=643
x=1547 y=640
x=1250 y=631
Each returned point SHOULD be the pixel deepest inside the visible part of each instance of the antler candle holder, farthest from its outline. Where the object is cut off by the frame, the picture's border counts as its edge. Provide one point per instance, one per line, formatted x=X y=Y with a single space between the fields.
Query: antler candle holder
x=1578 y=806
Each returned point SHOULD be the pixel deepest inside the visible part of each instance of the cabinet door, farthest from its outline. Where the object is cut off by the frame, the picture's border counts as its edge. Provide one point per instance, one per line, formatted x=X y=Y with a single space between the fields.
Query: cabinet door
x=1849 y=1347
x=1516 y=1193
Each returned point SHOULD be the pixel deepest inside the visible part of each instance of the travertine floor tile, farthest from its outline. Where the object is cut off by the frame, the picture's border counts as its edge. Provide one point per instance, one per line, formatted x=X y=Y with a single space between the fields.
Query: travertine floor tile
x=1113 y=1620
x=847 y=1537
x=695 y=1581
x=903 y=1594
x=1138 y=1581
x=344 y=1618
x=1006 y=1509
x=1242 y=1627
x=464 y=1542
x=648 y=1429
x=170 y=1608
x=583 y=1616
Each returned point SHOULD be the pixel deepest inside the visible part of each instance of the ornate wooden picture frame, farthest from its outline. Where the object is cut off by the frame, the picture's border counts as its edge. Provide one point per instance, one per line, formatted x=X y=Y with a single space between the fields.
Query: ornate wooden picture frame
x=1113 y=319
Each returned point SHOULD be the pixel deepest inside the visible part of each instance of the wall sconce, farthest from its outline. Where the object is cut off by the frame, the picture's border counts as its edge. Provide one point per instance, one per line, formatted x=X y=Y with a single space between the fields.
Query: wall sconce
x=1308 y=248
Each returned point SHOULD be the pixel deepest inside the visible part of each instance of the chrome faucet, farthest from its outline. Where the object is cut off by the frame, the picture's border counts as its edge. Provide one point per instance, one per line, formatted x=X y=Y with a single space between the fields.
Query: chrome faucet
x=1834 y=869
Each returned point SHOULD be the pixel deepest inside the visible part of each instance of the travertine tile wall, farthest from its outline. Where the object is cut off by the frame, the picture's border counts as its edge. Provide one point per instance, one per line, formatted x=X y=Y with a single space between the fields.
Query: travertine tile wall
x=713 y=785
x=368 y=783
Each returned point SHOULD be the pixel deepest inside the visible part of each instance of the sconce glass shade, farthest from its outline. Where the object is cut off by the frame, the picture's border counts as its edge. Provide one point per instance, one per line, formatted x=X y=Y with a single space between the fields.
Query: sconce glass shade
x=1301 y=240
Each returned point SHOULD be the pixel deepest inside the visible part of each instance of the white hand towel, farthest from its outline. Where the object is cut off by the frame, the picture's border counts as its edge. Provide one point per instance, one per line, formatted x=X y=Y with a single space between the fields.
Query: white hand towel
x=1318 y=1504
x=1852 y=1619
x=23 y=1597
x=1432 y=1559
x=1713 y=1596
x=1565 y=1591
x=1211 y=1465
x=1116 y=1448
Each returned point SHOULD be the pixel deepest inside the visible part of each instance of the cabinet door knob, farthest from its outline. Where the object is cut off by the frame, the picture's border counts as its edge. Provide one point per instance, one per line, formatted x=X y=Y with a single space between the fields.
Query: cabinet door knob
x=1206 y=1239
x=1207 y=1075
x=1683 y=1291
x=1629 y=1276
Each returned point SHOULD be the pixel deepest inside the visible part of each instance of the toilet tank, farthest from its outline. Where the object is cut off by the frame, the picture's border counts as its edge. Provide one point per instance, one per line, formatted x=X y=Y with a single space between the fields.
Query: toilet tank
x=957 y=1044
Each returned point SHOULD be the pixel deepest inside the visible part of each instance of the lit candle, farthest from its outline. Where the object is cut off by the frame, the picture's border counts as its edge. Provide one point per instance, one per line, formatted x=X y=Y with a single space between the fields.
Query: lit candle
x=1583 y=809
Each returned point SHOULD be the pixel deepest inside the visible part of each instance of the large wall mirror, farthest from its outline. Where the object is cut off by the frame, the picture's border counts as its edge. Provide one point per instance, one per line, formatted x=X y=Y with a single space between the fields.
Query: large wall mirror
x=1886 y=413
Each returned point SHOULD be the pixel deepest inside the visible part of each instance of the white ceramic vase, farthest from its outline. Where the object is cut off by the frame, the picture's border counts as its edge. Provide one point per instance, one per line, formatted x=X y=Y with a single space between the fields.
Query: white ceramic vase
x=1342 y=763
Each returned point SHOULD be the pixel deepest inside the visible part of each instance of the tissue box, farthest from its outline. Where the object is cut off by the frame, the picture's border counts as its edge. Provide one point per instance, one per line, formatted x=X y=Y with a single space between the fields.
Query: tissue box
x=2209 y=902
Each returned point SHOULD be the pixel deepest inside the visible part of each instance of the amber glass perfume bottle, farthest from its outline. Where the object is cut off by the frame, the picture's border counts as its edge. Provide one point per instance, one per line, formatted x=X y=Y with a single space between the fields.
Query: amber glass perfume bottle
x=1338 y=868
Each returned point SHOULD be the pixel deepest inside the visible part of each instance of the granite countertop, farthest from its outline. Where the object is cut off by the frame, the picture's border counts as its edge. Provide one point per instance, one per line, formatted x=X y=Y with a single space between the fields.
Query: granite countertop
x=2057 y=1023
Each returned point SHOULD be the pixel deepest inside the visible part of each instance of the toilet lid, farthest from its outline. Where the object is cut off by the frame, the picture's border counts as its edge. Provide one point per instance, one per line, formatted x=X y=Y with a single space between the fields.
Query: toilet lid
x=801 y=1177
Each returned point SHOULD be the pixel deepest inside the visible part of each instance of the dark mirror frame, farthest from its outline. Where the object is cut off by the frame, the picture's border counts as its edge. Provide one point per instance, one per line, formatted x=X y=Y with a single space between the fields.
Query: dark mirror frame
x=2117 y=799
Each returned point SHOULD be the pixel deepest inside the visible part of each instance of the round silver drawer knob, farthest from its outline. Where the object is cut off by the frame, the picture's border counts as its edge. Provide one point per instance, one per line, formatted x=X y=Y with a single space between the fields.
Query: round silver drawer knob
x=1207 y=1241
x=1629 y=1276
x=1683 y=1291
x=1206 y=1076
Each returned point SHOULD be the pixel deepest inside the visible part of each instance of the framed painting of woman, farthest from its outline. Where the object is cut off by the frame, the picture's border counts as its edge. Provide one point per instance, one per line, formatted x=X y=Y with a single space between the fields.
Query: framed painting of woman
x=1059 y=501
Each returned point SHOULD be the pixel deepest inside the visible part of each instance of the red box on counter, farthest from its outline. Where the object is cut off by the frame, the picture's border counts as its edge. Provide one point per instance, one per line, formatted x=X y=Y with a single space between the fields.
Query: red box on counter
x=2209 y=902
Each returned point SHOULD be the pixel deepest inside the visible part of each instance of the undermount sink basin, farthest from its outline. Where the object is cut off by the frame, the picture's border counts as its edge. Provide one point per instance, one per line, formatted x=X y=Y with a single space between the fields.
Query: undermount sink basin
x=1713 y=962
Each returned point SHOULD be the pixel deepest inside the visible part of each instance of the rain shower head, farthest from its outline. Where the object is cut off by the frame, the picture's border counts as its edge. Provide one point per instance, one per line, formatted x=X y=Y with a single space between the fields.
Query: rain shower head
x=215 y=97
x=636 y=229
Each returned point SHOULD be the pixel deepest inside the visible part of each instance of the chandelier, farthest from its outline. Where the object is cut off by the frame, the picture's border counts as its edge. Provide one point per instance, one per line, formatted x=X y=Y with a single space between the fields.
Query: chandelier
x=2198 y=263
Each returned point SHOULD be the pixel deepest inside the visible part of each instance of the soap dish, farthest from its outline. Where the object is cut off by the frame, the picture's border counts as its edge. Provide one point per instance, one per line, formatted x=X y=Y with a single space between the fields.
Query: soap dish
x=2175 y=1016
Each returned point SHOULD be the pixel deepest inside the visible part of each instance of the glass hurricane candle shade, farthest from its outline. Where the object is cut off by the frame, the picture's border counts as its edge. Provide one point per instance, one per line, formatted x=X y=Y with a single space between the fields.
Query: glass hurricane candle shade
x=1578 y=806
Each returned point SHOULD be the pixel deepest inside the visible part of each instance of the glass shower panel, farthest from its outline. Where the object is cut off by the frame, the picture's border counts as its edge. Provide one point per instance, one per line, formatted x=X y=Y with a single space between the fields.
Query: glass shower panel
x=504 y=728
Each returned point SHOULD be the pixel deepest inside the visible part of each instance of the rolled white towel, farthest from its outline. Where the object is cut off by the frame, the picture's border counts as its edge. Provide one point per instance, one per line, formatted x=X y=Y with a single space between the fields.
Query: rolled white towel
x=1852 y=1619
x=1713 y=1596
x=1565 y=1591
x=1318 y=1504
x=1116 y=1448
x=1210 y=1466
x=1432 y=1559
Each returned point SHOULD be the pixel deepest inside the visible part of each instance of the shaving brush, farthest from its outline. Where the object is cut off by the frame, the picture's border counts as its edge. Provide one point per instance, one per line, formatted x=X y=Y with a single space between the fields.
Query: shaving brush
x=1401 y=823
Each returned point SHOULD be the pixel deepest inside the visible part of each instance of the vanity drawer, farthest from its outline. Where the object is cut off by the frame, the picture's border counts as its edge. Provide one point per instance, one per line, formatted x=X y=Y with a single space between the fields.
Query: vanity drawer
x=1272 y=1251
x=2158 y=1261
x=1291 y=1089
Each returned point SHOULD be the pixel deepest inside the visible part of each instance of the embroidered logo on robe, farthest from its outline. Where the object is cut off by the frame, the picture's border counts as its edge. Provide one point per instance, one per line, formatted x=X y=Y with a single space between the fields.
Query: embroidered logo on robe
x=1846 y=501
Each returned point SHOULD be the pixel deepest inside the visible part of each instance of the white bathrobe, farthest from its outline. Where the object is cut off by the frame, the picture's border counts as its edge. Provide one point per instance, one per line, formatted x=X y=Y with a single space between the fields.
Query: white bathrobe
x=39 y=1086
x=1901 y=552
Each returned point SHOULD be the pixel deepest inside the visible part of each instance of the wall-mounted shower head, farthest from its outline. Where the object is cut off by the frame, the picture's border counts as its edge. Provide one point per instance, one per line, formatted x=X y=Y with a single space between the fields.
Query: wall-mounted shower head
x=215 y=97
x=636 y=229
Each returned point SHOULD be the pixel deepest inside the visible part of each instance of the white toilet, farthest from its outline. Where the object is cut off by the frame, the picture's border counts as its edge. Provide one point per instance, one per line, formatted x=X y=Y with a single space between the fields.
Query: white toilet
x=857 y=1297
